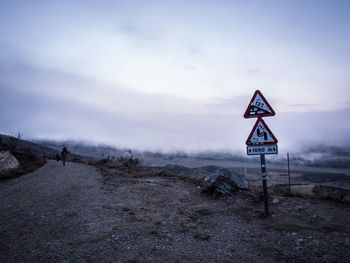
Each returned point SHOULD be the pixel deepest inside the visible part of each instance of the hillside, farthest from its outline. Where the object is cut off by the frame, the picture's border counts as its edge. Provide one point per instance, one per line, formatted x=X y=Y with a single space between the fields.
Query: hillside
x=29 y=156
x=34 y=148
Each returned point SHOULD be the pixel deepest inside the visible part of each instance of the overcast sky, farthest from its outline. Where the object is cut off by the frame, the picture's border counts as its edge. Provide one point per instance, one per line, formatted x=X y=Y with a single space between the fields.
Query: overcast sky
x=175 y=75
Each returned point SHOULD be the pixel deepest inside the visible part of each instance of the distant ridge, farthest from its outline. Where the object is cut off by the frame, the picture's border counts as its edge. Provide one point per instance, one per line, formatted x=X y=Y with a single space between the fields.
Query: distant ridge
x=34 y=148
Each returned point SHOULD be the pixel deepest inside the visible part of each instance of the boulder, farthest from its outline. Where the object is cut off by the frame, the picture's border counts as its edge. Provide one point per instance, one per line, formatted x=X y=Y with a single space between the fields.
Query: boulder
x=7 y=161
x=223 y=182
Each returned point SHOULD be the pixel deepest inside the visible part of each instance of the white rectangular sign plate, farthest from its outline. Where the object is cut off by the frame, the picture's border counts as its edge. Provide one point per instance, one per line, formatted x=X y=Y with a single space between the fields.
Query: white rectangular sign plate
x=262 y=149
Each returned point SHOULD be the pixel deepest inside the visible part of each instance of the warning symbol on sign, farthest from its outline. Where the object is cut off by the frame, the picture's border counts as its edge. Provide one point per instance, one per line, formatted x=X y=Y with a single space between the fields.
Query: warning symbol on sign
x=258 y=107
x=261 y=134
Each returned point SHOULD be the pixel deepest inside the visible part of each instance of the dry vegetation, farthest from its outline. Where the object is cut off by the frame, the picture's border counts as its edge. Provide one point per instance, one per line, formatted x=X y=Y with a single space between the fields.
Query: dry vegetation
x=111 y=168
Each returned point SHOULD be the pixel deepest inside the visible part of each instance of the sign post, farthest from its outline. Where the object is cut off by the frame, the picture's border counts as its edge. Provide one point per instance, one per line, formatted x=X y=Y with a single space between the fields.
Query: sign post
x=261 y=140
x=264 y=184
x=288 y=175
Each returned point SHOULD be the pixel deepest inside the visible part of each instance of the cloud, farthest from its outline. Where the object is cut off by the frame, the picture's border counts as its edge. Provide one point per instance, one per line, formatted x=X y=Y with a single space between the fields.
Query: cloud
x=55 y=83
x=301 y=105
x=297 y=129
x=234 y=104
x=48 y=103
x=141 y=36
x=187 y=67
x=194 y=51
x=139 y=32
x=41 y=116
x=253 y=71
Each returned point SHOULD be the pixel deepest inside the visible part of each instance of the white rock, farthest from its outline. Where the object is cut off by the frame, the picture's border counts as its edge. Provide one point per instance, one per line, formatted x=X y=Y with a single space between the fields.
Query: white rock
x=275 y=200
x=7 y=161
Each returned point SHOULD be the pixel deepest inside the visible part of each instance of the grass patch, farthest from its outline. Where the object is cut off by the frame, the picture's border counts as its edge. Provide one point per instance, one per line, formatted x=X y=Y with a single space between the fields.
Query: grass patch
x=116 y=168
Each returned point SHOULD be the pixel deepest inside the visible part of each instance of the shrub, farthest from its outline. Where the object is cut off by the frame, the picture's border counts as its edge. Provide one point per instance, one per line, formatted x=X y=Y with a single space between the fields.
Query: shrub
x=129 y=160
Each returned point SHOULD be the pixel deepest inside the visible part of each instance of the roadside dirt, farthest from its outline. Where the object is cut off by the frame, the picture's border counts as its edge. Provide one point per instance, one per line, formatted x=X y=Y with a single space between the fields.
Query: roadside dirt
x=75 y=214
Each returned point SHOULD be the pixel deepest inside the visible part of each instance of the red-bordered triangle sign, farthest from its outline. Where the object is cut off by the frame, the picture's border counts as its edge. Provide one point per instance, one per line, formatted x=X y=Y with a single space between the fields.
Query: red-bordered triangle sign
x=261 y=134
x=258 y=107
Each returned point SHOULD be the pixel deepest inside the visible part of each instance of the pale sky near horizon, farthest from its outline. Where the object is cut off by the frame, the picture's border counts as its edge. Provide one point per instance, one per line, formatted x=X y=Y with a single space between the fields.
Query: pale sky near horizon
x=166 y=75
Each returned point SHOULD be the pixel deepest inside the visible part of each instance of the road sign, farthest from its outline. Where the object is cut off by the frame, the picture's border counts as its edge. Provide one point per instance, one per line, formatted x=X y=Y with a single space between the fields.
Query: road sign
x=261 y=140
x=261 y=134
x=262 y=149
x=258 y=107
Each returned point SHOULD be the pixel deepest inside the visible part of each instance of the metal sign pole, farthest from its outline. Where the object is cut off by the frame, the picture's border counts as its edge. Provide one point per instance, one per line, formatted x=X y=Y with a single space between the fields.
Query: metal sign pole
x=288 y=175
x=263 y=175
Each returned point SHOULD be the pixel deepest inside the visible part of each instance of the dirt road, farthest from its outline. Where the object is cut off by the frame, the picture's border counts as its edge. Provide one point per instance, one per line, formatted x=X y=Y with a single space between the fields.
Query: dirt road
x=46 y=213
x=74 y=214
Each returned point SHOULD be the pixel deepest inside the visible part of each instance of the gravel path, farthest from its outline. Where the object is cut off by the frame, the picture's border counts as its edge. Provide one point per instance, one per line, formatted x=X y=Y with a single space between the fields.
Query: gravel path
x=43 y=214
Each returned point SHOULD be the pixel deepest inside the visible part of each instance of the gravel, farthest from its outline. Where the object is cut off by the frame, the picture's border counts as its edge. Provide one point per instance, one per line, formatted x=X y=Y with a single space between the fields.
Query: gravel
x=75 y=214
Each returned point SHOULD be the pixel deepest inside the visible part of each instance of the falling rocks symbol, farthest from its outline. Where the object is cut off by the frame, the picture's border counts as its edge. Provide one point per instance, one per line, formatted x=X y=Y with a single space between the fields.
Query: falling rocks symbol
x=258 y=107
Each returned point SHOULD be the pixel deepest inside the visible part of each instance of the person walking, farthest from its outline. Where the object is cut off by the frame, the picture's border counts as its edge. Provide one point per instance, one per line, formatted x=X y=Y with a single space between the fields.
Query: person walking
x=64 y=155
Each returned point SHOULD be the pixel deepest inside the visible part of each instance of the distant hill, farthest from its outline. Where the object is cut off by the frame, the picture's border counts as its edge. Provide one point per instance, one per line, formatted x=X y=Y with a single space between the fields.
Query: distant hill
x=29 y=156
x=83 y=149
x=314 y=156
x=34 y=148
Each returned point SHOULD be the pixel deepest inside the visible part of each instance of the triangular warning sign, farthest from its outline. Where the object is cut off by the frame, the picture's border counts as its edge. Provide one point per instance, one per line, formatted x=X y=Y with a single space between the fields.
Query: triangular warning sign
x=261 y=134
x=258 y=107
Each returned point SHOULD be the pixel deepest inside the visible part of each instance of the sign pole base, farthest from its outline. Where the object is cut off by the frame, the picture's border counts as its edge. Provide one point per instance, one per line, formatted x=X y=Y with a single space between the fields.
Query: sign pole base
x=288 y=175
x=264 y=184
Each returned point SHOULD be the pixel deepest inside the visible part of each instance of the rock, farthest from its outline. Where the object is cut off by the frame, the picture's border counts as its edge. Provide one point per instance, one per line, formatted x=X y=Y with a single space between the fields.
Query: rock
x=7 y=161
x=202 y=236
x=299 y=208
x=275 y=200
x=223 y=182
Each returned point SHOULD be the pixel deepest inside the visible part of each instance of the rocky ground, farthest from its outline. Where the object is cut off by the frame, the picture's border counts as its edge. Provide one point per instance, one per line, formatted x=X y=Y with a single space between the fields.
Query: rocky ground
x=76 y=214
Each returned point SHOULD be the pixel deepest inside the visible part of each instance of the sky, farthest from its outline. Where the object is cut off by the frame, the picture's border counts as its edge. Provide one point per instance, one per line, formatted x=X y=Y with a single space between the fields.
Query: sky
x=175 y=75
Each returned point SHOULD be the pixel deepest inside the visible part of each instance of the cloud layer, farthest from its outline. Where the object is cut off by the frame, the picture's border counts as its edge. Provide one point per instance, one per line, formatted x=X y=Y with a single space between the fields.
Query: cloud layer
x=56 y=105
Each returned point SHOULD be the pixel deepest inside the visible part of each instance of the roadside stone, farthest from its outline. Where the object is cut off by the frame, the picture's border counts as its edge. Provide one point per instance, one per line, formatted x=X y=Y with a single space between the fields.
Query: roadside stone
x=275 y=200
x=223 y=182
x=7 y=161
x=202 y=236
x=299 y=208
